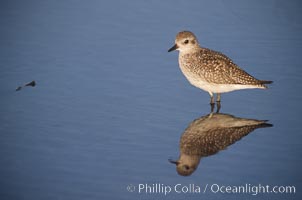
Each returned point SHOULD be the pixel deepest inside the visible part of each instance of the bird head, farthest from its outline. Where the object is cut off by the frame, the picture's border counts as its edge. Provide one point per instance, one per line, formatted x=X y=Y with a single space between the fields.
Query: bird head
x=185 y=41
x=186 y=164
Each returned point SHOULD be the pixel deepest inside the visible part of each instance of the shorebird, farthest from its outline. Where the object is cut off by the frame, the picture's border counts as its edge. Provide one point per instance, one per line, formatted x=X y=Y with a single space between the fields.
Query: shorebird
x=210 y=70
x=210 y=134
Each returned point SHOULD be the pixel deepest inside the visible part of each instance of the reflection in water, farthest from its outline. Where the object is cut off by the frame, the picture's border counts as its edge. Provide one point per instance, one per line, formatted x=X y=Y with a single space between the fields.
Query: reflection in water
x=208 y=135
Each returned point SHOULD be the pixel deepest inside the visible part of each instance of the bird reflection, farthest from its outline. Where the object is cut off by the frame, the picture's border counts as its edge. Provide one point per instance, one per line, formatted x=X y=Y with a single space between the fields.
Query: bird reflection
x=208 y=135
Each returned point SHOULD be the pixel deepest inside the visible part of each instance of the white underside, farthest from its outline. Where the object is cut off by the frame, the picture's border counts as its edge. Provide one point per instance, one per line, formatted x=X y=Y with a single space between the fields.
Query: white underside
x=221 y=88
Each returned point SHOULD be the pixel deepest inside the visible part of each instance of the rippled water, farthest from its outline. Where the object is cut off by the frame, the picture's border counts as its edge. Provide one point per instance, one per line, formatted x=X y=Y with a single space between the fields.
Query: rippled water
x=110 y=102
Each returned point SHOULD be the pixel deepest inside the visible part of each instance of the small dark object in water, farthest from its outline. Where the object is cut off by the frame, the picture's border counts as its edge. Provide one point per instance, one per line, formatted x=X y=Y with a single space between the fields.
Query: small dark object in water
x=18 y=88
x=32 y=84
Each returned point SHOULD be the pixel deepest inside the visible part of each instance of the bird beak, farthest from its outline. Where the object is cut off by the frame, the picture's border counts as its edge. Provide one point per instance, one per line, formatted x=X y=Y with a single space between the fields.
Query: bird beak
x=173 y=48
x=173 y=162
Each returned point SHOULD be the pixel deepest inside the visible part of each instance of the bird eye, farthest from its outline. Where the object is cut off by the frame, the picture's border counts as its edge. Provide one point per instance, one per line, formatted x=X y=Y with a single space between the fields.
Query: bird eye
x=186 y=167
x=186 y=41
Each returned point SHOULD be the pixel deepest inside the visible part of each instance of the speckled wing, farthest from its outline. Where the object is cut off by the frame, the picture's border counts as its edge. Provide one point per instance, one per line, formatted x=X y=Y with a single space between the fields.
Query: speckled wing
x=218 y=68
x=206 y=143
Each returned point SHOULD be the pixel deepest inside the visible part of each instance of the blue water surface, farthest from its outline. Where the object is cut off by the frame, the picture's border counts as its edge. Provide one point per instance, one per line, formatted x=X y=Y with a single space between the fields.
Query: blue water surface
x=110 y=102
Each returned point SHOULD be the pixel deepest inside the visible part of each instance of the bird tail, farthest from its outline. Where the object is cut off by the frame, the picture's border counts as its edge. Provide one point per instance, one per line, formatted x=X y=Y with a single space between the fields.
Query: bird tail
x=265 y=82
x=264 y=124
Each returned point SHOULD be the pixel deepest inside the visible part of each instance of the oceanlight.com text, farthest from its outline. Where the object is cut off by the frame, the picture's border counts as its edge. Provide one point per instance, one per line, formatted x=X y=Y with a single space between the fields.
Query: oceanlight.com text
x=251 y=189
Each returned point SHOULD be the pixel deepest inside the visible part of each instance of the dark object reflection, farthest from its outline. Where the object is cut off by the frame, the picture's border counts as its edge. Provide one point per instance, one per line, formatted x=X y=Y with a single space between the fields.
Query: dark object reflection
x=208 y=135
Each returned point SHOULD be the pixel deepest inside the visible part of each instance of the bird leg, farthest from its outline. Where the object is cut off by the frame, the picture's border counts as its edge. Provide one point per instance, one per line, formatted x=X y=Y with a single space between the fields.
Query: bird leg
x=218 y=100
x=212 y=103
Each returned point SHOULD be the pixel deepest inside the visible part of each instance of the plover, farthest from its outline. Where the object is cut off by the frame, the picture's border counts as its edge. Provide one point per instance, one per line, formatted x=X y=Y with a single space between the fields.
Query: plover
x=210 y=70
x=210 y=134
